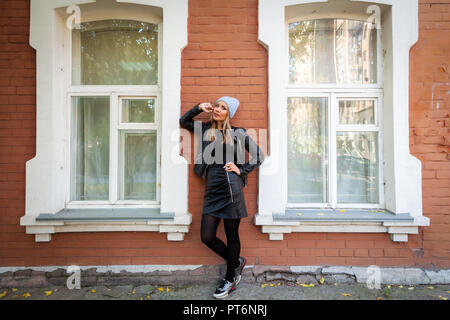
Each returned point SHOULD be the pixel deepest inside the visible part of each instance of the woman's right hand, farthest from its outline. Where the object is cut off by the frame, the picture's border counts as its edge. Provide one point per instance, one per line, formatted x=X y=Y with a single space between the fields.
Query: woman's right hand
x=206 y=107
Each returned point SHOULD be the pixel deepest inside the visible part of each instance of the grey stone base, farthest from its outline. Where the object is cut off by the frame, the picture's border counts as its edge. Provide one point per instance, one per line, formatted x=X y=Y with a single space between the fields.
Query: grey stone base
x=191 y=275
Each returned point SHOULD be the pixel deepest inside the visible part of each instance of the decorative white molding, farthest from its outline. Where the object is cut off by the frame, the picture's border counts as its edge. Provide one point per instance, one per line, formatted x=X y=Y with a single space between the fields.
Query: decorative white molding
x=402 y=171
x=45 y=173
x=398 y=230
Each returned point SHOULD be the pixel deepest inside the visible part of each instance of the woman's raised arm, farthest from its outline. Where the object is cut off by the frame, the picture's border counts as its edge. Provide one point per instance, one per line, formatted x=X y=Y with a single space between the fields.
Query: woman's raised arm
x=187 y=120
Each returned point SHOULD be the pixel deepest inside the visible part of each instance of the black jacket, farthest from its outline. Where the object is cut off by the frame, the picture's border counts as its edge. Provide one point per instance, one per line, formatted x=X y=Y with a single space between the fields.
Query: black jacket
x=257 y=156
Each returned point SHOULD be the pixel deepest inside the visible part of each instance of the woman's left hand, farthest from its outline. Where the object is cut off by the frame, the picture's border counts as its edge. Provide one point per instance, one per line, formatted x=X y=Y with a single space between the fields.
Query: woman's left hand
x=230 y=166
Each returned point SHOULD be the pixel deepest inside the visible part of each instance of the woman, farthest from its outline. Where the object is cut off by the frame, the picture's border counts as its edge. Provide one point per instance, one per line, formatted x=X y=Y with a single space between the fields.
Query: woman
x=224 y=198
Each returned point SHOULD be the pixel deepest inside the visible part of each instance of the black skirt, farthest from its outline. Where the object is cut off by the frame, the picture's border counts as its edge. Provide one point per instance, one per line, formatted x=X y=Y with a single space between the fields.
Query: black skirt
x=224 y=197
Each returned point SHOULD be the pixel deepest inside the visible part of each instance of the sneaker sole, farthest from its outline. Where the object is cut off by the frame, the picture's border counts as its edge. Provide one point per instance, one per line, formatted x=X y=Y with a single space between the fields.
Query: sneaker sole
x=226 y=293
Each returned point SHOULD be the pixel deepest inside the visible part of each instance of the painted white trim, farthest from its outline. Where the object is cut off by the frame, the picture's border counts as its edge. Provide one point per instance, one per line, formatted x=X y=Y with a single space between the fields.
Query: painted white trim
x=46 y=173
x=402 y=171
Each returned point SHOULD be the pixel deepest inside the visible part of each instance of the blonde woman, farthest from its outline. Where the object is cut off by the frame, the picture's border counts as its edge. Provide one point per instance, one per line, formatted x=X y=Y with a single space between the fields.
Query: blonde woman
x=225 y=177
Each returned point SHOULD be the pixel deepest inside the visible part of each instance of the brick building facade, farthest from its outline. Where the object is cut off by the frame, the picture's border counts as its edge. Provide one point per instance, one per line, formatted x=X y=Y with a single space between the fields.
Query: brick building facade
x=224 y=57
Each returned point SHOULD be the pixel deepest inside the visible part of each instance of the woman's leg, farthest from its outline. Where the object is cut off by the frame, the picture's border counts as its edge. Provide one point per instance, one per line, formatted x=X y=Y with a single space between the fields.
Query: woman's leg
x=208 y=234
x=234 y=246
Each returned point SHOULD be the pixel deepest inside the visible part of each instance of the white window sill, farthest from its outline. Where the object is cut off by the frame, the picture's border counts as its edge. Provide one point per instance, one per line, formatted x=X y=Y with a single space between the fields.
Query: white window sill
x=101 y=220
x=333 y=220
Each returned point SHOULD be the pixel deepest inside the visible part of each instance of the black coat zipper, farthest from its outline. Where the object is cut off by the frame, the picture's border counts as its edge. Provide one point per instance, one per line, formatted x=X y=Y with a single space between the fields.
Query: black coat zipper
x=229 y=184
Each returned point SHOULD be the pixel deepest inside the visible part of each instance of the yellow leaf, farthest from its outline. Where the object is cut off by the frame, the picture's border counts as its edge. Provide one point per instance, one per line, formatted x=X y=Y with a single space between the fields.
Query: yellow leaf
x=47 y=293
x=141 y=298
x=167 y=289
x=448 y=291
x=3 y=294
x=147 y=297
x=342 y=210
x=55 y=290
x=346 y=294
x=93 y=291
x=411 y=288
x=430 y=287
x=279 y=284
x=13 y=289
x=335 y=284
x=160 y=289
x=321 y=214
x=299 y=214
x=264 y=285
x=379 y=298
x=442 y=298
x=307 y=285
x=389 y=286
x=322 y=280
x=400 y=287
x=26 y=295
x=271 y=285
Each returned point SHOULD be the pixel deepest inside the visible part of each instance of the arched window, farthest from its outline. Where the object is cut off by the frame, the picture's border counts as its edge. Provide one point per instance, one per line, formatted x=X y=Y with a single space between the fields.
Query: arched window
x=108 y=104
x=339 y=157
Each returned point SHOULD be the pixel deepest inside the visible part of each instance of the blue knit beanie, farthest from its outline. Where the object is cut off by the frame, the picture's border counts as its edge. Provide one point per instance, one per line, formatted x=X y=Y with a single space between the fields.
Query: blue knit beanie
x=232 y=104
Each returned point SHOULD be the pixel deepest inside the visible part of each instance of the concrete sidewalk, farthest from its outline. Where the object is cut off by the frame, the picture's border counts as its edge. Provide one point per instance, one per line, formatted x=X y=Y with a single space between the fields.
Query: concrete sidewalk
x=276 y=290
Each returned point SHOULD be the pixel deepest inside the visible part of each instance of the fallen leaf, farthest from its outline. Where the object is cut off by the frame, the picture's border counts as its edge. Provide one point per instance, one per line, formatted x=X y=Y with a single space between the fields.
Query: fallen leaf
x=264 y=285
x=166 y=290
x=342 y=210
x=13 y=289
x=321 y=214
x=389 y=286
x=299 y=214
x=93 y=291
x=307 y=285
x=322 y=280
x=141 y=298
x=346 y=294
x=147 y=297
x=379 y=298
x=400 y=287
x=55 y=290
x=279 y=284
x=160 y=289
x=442 y=298
x=47 y=293
x=3 y=294
x=26 y=295
x=448 y=291
x=335 y=284
x=411 y=288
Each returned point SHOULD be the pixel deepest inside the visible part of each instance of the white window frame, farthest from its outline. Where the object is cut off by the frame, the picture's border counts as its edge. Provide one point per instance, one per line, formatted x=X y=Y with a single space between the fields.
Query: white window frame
x=401 y=171
x=333 y=98
x=48 y=173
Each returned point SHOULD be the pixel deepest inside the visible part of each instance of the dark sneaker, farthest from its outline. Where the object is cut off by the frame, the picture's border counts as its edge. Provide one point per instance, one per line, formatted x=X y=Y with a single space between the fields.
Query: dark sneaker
x=225 y=287
x=238 y=270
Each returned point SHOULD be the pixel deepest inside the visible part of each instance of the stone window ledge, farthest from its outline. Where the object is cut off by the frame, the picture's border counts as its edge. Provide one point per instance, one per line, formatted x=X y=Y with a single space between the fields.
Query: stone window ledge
x=98 y=220
x=341 y=220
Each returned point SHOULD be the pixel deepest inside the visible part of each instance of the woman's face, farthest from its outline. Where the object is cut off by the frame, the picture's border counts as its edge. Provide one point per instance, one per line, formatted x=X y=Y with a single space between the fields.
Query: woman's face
x=220 y=111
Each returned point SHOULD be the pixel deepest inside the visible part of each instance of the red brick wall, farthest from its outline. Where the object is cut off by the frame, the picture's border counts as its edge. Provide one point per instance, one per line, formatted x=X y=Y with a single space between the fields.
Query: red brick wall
x=223 y=57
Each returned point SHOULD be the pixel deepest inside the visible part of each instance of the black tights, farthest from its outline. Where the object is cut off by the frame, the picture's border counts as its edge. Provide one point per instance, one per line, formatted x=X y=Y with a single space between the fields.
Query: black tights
x=230 y=253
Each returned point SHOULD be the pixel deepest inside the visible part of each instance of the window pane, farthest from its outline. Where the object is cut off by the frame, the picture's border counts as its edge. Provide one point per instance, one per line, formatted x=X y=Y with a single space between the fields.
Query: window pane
x=139 y=175
x=357 y=167
x=138 y=110
x=307 y=150
x=90 y=148
x=332 y=51
x=115 y=52
x=356 y=112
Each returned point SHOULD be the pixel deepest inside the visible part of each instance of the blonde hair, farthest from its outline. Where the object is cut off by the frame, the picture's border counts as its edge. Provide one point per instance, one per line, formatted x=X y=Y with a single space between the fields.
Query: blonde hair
x=226 y=130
